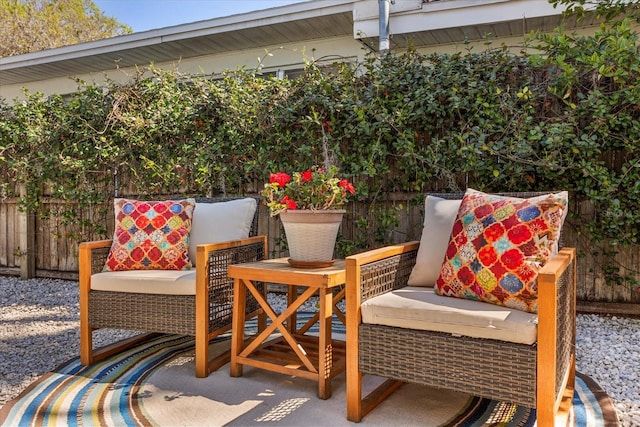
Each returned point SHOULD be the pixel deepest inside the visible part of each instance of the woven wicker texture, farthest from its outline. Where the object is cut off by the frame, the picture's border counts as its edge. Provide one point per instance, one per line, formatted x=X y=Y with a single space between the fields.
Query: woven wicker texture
x=490 y=368
x=437 y=359
x=173 y=314
x=566 y=331
x=386 y=275
x=98 y=258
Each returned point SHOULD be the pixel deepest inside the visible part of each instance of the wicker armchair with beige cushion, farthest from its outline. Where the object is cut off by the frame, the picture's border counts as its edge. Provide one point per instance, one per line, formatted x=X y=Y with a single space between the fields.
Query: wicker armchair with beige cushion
x=404 y=325
x=196 y=300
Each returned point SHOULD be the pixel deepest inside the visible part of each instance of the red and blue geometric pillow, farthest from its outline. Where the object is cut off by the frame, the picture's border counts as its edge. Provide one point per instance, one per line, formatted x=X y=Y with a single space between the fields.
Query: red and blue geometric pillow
x=497 y=246
x=151 y=235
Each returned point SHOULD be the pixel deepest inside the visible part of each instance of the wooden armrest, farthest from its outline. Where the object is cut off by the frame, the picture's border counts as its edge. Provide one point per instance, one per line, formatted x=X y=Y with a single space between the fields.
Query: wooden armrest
x=85 y=270
x=556 y=333
x=394 y=264
x=358 y=289
x=223 y=254
x=381 y=253
x=208 y=247
x=85 y=261
x=556 y=266
x=556 y=292
x=204 y=252
x=95 y=244
x=389 y=261
x=551 y=295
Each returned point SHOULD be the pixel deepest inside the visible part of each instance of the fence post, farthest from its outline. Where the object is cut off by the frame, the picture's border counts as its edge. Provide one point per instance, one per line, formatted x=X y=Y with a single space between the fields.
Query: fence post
x=26 y=239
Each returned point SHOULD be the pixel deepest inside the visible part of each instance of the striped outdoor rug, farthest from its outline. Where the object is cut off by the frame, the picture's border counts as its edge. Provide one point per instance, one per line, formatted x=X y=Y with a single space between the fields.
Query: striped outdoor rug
x=153 y=384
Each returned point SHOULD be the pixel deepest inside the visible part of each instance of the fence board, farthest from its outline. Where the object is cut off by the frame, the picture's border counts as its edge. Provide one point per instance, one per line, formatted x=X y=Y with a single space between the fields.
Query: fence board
x=12 y=235
x=4 y=231
x=43 y=243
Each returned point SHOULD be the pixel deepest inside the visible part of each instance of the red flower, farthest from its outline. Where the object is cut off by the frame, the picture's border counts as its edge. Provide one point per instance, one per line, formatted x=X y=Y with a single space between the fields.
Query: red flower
x=280 y=178
x=316 y=188
x=347 y=186
x=291 y=204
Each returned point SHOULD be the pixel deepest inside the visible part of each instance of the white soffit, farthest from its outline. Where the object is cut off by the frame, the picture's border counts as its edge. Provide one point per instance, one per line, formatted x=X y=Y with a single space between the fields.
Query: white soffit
x=437 y=15
x=310 y=20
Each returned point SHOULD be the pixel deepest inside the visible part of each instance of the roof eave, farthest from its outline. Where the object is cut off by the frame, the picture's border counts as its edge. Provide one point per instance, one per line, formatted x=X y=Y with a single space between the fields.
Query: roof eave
x=260 y=18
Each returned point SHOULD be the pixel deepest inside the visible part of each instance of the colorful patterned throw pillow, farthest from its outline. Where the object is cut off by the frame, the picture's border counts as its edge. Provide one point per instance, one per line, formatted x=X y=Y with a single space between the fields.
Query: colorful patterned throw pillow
x=498 y=245
x=151 y=235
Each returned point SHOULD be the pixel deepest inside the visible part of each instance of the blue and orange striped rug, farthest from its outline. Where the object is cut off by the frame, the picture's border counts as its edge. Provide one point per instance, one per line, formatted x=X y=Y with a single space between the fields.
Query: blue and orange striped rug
x=153 y=384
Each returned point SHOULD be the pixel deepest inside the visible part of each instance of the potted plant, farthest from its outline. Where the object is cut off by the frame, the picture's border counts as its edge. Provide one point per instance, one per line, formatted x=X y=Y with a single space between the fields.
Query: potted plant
x=309 y=204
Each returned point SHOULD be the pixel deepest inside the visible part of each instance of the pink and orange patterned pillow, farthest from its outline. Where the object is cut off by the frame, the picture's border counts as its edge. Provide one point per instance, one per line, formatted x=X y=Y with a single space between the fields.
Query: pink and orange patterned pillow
x=151 y=235
x=498 y=245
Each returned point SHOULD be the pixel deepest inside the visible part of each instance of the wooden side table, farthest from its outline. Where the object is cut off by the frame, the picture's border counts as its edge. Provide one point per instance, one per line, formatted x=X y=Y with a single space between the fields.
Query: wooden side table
x=295 y=352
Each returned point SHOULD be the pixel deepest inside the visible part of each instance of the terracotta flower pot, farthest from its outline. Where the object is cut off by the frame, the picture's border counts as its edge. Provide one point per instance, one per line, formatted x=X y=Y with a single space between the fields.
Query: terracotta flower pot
x=311 y=236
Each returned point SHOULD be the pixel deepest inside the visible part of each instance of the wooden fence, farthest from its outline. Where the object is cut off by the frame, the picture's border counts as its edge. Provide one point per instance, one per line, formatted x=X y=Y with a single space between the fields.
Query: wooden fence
x=42 y=246
x=9 y=239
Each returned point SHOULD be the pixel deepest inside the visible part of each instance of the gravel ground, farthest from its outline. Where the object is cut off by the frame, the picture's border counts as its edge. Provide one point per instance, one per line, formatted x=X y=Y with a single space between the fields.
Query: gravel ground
x=39 y=331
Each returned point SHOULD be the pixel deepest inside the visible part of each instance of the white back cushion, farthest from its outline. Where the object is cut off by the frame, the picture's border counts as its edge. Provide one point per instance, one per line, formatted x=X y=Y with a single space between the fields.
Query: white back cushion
x=439 y=216
x=221 y=221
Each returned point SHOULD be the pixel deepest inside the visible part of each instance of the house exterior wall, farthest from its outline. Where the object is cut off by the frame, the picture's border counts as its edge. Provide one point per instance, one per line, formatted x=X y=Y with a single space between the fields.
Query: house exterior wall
x=284 y=57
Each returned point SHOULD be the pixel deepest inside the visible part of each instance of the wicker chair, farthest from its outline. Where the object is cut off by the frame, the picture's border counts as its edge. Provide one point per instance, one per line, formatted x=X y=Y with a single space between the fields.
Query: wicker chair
x=539 y=376
x=204 y=315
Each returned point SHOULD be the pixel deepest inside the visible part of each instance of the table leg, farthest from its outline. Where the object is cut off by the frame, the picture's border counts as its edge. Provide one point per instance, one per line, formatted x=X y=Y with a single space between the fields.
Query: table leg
x=325 y=350
x=336 y=299
x=262 y=317
x=237 y=327
x=340 y=315
x=292 y=322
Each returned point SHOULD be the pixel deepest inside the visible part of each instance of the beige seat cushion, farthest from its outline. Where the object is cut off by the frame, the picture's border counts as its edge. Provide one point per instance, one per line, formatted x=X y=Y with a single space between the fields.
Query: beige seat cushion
x=165 y=282
x=420 y=308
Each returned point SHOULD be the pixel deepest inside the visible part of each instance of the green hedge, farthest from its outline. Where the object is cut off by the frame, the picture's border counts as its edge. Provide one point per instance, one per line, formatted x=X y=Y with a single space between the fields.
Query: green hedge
x=566 y=117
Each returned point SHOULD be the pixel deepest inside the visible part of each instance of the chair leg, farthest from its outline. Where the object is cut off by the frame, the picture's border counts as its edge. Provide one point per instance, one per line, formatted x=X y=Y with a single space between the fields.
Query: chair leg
x=202 y=355
x=552 y=411
x=357 y=406
x=566 y=397
x=86 y=344
x=88 y=355
x=354 y=394
x=562 y=418
x=86 y=332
